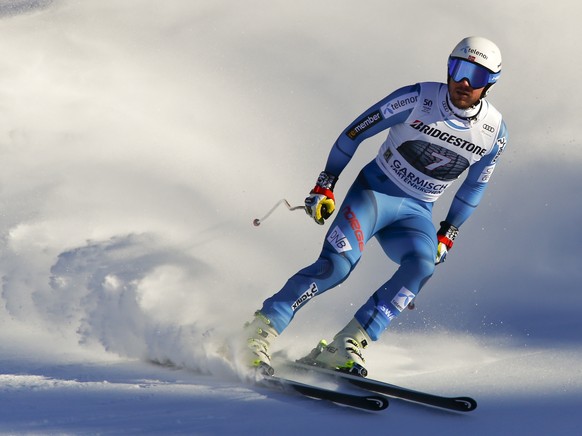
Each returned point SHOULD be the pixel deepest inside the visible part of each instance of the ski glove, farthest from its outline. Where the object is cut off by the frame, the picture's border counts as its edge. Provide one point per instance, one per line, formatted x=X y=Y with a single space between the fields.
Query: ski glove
x=445 y=236
x=320 y=203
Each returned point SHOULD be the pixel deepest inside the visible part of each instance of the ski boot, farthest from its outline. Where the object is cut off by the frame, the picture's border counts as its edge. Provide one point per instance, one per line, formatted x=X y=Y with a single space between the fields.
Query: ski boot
x=344 y=353
x=259 y=333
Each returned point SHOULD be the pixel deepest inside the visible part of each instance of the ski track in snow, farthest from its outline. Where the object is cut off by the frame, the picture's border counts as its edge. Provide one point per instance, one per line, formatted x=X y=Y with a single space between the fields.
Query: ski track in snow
x=72 y=391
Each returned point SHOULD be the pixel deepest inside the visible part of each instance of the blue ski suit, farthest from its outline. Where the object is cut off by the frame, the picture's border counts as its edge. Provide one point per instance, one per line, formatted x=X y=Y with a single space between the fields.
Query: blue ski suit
x=430 y=144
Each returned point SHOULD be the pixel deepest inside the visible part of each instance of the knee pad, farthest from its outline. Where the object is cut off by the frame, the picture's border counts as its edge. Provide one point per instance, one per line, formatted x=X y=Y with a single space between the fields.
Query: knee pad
x=331 y=267
x=420 y=267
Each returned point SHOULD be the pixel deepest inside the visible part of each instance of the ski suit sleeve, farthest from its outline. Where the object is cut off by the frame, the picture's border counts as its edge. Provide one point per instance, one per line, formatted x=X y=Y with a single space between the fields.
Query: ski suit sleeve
x=377 y=118
x=471 y=191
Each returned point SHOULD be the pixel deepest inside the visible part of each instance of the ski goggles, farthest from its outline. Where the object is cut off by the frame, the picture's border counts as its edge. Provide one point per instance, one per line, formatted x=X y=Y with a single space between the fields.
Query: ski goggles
x=477 y=75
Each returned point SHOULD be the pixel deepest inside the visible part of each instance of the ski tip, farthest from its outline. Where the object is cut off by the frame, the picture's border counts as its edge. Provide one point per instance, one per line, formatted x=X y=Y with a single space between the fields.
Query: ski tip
x=377 y=403
x=465 y=404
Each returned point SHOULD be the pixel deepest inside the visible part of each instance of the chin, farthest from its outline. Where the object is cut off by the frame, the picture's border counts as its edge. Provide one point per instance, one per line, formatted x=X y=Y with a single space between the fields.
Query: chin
x=460 y=104
x=463 y=103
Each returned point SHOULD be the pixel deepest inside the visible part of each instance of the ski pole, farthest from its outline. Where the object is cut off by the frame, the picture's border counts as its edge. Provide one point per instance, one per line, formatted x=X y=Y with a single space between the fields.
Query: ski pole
x=257 y=222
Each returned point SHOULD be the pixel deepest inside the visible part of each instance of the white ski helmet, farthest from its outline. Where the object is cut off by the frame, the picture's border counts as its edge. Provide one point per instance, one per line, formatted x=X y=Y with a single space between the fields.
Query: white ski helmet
x=478 y=51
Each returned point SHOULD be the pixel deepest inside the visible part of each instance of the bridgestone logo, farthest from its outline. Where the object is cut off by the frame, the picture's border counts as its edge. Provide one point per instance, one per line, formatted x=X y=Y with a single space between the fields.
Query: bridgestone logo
x=433 y=132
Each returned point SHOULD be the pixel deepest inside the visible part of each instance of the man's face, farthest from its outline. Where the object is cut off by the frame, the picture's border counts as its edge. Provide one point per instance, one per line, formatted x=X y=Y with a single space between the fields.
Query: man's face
x=462 y=95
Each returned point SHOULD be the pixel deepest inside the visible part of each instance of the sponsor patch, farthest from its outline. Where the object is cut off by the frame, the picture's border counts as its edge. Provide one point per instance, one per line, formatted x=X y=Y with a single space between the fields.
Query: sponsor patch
x=488 y=128
x=402 y=299
x=386 y=311
x=427 y=106
x=449 y=138
x=501 y=142
x=306 y=296
x=339 y=240
x=486 y=174
x=399 y=104
x=416 y=180
x=355 y=225
x=364 y=124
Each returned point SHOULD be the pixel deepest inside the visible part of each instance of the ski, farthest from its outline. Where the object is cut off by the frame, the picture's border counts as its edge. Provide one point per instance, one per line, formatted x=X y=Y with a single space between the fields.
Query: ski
x=370 y=402
x=459 y=404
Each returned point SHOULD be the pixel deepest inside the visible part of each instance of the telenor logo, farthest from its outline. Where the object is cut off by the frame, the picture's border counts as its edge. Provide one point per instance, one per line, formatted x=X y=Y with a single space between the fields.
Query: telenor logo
x=402 y=299
x=475 y=52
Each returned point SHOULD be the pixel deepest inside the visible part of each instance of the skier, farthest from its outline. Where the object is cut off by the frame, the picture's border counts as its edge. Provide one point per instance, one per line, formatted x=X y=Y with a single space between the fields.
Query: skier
x=437 y=131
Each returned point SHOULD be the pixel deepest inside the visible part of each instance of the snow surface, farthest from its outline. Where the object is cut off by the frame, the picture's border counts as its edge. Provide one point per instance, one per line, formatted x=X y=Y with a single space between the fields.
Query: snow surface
x=138 y=141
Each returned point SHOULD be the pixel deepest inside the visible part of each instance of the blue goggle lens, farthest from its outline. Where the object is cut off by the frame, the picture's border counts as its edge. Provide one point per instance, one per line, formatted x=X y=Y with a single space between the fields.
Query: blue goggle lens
x=477 y=75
